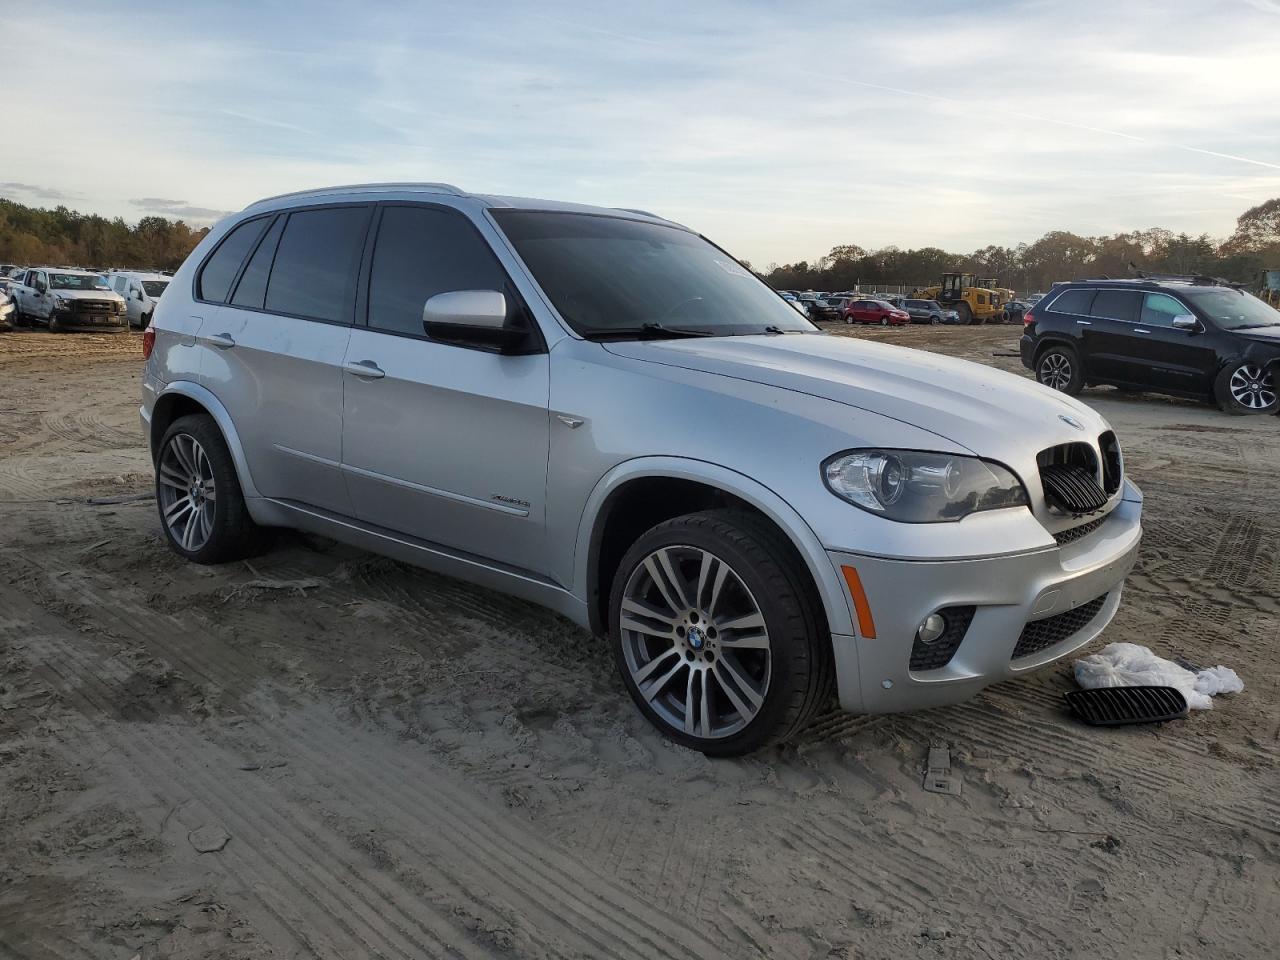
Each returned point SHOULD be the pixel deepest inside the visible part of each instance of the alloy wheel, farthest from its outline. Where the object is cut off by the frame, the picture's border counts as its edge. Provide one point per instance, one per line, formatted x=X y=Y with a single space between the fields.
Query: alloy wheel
x=694 y=642
x=188 y=494
x=1252 y=388
x=1055 y=370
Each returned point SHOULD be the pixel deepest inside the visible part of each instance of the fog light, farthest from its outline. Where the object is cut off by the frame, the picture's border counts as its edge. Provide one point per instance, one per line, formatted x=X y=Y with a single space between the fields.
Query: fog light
x=931 y=628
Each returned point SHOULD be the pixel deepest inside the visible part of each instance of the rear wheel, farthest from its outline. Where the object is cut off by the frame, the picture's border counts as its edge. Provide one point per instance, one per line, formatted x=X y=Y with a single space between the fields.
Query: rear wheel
x=716 y=634
x=1247 y=388
x=202 y=508
x=1059 y=367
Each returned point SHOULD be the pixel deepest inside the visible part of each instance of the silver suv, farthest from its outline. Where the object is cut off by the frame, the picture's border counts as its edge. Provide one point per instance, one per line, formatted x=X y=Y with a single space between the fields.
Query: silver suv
x=603 y=412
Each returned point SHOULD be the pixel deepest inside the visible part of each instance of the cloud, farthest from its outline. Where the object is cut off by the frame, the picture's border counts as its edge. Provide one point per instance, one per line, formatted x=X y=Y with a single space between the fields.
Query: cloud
x=178 y=208
x=41 y=193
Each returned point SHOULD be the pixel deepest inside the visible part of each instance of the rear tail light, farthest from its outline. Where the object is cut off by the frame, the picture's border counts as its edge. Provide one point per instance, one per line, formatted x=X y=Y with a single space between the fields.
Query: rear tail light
x=1028 y=318
x=148 y=342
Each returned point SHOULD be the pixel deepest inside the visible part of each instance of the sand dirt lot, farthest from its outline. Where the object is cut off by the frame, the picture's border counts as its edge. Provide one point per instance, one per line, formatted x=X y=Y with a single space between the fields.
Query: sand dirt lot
x=379 y=762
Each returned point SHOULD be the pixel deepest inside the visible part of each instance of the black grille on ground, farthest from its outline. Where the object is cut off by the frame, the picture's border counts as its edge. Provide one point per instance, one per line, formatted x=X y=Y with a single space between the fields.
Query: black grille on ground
x=931 y=656
x=1117 y=706
x=1073 y=534
x=1039 y=634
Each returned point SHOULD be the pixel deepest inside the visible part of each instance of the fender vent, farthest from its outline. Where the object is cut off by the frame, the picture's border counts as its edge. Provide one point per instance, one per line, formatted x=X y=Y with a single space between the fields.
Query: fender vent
x=1072 y=489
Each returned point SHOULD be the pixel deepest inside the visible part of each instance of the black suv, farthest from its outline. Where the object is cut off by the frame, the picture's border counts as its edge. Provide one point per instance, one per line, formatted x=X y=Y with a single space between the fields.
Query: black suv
x=1187 y=336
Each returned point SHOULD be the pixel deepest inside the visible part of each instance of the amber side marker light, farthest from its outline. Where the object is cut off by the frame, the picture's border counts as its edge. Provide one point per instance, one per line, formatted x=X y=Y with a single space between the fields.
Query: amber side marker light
x=866 y=625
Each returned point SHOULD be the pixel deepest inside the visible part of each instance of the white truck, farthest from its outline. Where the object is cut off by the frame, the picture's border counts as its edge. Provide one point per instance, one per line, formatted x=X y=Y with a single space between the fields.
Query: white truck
x=69 y=300
x=141 y=292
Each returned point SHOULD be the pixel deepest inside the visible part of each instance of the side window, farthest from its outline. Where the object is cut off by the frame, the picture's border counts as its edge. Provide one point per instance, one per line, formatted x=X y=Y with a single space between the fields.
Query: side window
x=251 y=291
x=314 y=274
x=220 y=269
x=1116 y=305
x=119 y=283
x=1159 y=309
x=422 y=251
x=1072 y=301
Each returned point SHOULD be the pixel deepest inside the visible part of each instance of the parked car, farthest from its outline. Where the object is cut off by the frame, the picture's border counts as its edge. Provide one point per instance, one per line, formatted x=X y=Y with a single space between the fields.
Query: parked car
x=925 y=311
x=141 y=292
x=874 y=311
x=825 y=309
x=1014 y=311
x=7 y=310
x=1185 y=336
x=68 y=300
x=626 y=427
x=1032 y=300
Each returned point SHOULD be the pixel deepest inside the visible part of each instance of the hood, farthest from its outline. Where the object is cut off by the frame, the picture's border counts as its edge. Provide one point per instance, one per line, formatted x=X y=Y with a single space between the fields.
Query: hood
x=991 y=413
x=87 y=294
x=1268 y=335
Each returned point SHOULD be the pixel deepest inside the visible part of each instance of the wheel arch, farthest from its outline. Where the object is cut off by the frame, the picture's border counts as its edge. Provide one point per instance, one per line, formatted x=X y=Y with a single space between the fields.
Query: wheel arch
x=181 y=398
x=1055 y=341
x=641 y=493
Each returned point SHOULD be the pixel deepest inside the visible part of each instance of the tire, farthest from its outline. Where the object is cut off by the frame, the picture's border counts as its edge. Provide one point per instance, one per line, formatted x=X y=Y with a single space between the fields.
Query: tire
x=884 y=321
x=935 y=320
x=1059 y=368
x=849 y=319
x=966 y=314
x=1247 y=389
x=755 y=695
x=212 y=528
x=55 y=325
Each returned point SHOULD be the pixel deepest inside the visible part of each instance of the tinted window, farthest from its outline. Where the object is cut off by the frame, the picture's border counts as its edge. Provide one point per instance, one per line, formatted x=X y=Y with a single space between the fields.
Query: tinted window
x=119 y=284
x=1116 y=305
x=1072 y=301
x=422 y=251
x=220 y=269
x=1159 y=309
x=251 y=291
x=314 y=274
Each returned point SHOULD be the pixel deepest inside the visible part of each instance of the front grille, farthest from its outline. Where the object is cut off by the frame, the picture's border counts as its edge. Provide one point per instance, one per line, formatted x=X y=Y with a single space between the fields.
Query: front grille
x=1075 y=533
x=93 y=306
x=931 y=656
x=1040 y=634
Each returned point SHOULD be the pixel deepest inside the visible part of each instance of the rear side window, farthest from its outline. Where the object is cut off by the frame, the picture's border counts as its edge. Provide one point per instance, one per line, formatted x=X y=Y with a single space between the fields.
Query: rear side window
x=220 y=269
x=1072 y=301
x=251 y=291
x=314 y=274
x=422 y=251
x=1116 y=305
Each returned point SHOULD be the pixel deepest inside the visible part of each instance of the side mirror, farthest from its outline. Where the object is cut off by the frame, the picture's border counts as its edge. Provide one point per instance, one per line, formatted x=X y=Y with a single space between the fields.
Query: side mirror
x=471 y=317
x=1185 y=321
x=41 y=287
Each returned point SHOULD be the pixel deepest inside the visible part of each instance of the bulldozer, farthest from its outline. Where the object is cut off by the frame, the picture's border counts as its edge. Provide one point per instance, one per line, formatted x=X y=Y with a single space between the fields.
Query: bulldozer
x=972 y=299
x=1269 y=287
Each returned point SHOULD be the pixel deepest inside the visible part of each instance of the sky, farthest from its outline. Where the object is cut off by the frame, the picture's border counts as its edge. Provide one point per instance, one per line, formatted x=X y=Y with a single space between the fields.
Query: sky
x=778 y=130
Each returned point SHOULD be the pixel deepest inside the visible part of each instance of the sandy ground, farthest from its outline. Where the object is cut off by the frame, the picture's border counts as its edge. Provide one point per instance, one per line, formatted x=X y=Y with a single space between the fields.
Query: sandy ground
x=406 y=766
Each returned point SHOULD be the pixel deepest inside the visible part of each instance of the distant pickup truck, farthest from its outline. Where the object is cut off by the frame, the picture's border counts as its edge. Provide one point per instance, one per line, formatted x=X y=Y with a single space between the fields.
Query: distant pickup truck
x=68 y=300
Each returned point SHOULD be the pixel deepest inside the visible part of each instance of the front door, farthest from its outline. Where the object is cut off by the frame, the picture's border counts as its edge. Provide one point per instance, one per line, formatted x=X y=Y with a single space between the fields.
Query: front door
x=1183 y=361
x=443 y=442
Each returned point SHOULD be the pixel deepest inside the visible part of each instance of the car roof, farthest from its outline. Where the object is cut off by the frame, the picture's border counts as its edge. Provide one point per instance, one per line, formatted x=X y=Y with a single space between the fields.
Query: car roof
x=138 y=275
x=74 y=271
x=386 y=191
x=1148 y=283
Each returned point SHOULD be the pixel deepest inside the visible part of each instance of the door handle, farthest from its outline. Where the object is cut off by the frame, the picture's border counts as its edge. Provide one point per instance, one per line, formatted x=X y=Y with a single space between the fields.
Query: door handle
x=223 y=341
x=1085 y=323
x=1140 y=330
x=364 y=369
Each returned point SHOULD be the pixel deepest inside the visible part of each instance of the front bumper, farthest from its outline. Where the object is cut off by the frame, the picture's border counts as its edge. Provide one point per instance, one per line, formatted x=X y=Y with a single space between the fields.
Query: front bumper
x=81 y=321
x=874 y=674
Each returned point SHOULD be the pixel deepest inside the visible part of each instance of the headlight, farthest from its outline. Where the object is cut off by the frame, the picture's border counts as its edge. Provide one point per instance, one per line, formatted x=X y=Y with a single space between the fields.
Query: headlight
x=912 y=486
x=61 y=302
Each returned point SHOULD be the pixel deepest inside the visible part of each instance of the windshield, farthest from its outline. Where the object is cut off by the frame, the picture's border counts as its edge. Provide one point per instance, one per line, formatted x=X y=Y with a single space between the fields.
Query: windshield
x=154 y=288
x=1233 y=309
x=76 y=281
x=609 y=276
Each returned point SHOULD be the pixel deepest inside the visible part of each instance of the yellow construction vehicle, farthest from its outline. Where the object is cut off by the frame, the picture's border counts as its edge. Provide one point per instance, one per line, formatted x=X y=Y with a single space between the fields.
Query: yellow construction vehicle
x=973 y=300
x=1269 y=287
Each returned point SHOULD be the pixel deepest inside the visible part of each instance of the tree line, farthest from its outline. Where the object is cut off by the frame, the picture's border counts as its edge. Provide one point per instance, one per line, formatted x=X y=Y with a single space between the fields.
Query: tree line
x=1058 y=255
x=63 y=237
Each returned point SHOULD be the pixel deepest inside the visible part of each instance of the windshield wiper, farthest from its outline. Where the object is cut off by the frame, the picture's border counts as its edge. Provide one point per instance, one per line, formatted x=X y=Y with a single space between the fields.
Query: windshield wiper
x=646 y=331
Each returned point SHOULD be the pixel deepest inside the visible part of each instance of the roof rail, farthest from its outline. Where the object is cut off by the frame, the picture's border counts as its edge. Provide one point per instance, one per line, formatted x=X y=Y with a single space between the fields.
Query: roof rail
x=1197 y=279
x=643 y=213
x=345 y=188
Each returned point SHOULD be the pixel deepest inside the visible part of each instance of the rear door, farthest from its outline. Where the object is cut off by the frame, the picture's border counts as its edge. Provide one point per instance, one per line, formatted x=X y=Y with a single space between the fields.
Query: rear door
x=1114 y=352
x=445 y=442
x=273 y=352
x=1072 y=320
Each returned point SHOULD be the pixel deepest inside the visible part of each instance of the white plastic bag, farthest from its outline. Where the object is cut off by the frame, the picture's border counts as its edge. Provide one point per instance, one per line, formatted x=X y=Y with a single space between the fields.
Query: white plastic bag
x=1132 y=665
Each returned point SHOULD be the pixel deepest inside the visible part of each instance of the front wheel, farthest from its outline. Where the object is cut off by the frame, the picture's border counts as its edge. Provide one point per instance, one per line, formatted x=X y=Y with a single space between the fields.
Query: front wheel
x=716 y=634
x=884 y=321
x=1060 y=368
x=201 y=504
x=1247 y=388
